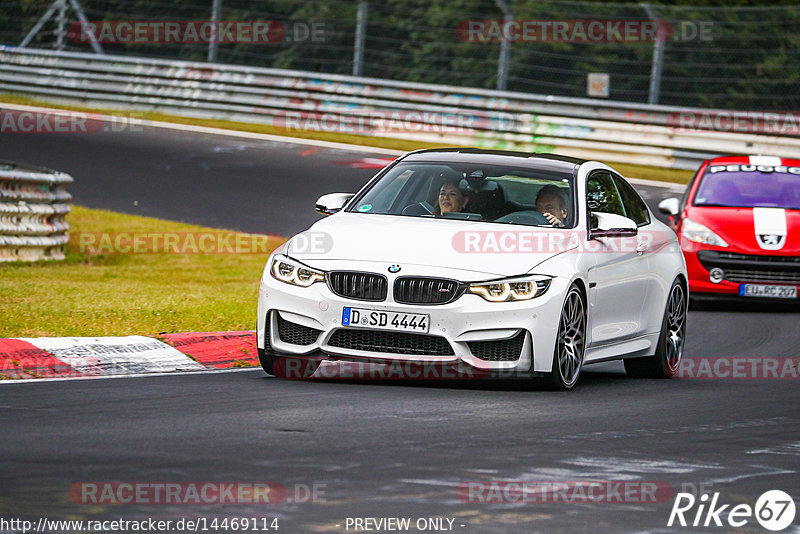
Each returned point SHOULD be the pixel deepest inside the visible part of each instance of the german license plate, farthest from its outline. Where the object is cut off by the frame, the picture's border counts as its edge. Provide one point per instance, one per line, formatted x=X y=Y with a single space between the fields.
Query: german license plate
x=383 y=320
x=771 y=291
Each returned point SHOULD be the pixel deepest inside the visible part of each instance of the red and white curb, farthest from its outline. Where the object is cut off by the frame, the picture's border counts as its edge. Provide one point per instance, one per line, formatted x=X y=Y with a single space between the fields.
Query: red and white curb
x=65 y=357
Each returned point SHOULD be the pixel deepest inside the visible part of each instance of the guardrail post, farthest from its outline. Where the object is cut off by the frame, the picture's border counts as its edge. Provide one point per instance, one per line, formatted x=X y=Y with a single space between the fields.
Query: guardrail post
x=361 y=34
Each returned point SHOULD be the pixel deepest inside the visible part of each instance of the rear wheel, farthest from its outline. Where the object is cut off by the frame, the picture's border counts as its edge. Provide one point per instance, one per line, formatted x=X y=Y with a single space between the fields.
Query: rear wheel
x=570 y=342
x=665 y=362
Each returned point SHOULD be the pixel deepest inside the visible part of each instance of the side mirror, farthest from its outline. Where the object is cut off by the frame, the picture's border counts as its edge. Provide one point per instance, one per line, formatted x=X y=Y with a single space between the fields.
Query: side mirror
x=670 y=206
x=332 y=202
x=611 y=225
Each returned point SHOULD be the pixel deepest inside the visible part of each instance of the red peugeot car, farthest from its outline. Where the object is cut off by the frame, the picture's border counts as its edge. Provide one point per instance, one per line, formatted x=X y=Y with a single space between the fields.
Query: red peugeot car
x=739 y=227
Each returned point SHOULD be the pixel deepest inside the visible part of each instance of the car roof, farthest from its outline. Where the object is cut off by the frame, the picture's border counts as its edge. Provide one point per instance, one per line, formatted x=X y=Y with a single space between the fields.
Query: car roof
x=553 y=162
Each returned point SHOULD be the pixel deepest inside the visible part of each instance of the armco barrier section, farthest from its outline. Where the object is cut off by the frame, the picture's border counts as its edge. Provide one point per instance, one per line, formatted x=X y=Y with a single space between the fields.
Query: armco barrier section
x=590 y=128
x=33 y=208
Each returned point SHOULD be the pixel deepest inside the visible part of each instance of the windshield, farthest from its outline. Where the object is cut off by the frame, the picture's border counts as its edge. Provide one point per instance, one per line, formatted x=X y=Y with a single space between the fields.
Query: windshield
x=471 y=192
x=750 y=186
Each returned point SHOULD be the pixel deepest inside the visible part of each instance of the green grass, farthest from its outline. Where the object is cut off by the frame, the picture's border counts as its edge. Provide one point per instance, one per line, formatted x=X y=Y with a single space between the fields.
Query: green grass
x=401 y=145
x=124 y=294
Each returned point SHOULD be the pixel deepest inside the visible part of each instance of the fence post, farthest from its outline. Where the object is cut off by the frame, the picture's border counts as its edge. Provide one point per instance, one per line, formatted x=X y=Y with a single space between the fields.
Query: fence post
x=658 y=57
x=216 y=8
x=361 y=34
x=502 y=63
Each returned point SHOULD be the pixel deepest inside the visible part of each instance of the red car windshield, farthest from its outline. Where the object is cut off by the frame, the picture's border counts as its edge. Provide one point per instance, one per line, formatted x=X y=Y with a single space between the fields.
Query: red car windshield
x=750 y=186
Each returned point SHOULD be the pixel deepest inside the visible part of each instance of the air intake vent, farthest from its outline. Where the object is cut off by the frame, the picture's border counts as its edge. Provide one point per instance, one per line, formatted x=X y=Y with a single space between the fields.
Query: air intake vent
x=506 y=350
x=391 y=342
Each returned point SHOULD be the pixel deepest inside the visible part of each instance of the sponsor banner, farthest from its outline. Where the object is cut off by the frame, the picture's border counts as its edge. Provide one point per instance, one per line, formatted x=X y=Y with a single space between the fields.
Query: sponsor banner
x=733 y=368
x=565 y=491
x=21 y=359
x=219 y=350
x=108 y=356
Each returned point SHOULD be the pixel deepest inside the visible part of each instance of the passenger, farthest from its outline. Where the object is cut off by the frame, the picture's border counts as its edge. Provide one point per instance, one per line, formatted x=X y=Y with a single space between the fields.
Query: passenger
x=451 y=199
x=550 y=202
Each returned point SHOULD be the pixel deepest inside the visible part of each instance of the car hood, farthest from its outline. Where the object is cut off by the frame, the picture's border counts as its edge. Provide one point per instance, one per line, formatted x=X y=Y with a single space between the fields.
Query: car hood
x=485 y=248
x=753 y=230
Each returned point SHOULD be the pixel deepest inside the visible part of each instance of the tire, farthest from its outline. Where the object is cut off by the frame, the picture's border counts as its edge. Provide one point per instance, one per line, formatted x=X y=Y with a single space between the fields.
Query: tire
x=671 y=340
x=570 y=342
x=286 y=366
x=267 y=361
x=278 y=365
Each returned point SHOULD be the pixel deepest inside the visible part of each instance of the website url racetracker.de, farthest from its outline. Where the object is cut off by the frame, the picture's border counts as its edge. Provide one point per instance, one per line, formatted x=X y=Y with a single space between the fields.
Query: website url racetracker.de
x=195 y=524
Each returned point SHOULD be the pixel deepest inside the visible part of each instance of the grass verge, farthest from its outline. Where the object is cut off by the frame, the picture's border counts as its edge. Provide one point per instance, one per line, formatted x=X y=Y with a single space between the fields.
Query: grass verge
x=401 y=145
x=131 y=293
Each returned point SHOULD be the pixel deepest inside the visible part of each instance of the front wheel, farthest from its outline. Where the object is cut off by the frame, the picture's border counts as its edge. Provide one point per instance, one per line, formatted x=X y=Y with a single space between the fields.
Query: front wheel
x=267 y=361
x=665 y=362
x=570 y=342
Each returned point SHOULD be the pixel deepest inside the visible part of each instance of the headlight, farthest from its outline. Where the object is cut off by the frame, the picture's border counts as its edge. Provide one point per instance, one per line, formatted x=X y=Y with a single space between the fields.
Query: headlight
x=293 y=272
x=694 y=231
x=521 y=288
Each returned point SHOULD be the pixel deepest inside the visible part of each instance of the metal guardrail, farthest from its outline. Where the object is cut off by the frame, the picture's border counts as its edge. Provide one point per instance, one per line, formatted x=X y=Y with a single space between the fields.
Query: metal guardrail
x=33 y=207
x=606 y=130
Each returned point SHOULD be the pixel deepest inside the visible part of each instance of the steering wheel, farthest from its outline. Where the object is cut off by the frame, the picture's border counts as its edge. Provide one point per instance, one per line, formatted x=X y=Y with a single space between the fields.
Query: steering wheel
x=418 y=209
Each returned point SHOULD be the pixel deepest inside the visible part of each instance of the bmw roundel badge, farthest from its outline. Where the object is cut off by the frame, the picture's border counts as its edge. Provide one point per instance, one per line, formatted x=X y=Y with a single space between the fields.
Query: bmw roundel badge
x=394 y=268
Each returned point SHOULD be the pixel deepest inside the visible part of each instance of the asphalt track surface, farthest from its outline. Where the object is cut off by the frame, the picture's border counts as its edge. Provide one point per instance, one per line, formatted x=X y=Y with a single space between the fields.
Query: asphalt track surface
x=396 y=449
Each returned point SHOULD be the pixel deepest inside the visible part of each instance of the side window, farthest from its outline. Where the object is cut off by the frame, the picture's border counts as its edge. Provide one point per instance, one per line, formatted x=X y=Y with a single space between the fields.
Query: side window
x=602 y=194
x=635 y=208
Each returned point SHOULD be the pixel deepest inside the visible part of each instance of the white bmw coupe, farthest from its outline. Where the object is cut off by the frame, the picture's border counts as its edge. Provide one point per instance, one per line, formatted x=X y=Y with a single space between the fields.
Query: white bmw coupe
x=504 y=263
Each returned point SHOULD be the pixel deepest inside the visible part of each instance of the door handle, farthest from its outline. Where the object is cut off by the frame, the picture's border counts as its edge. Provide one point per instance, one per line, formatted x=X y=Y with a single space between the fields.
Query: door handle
x=641 y=249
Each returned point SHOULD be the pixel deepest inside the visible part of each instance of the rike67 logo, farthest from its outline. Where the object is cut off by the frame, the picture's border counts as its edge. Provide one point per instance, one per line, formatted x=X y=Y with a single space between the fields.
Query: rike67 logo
x=774 y=510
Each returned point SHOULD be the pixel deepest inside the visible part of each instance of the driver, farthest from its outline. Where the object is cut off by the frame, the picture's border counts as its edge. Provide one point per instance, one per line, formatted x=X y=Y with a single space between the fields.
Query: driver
x=451 y=199
x=550 y=202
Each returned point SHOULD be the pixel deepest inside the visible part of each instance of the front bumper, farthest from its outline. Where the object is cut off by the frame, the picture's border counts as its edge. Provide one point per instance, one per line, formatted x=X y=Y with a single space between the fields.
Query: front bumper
x=508 y=336
x=738 y=269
